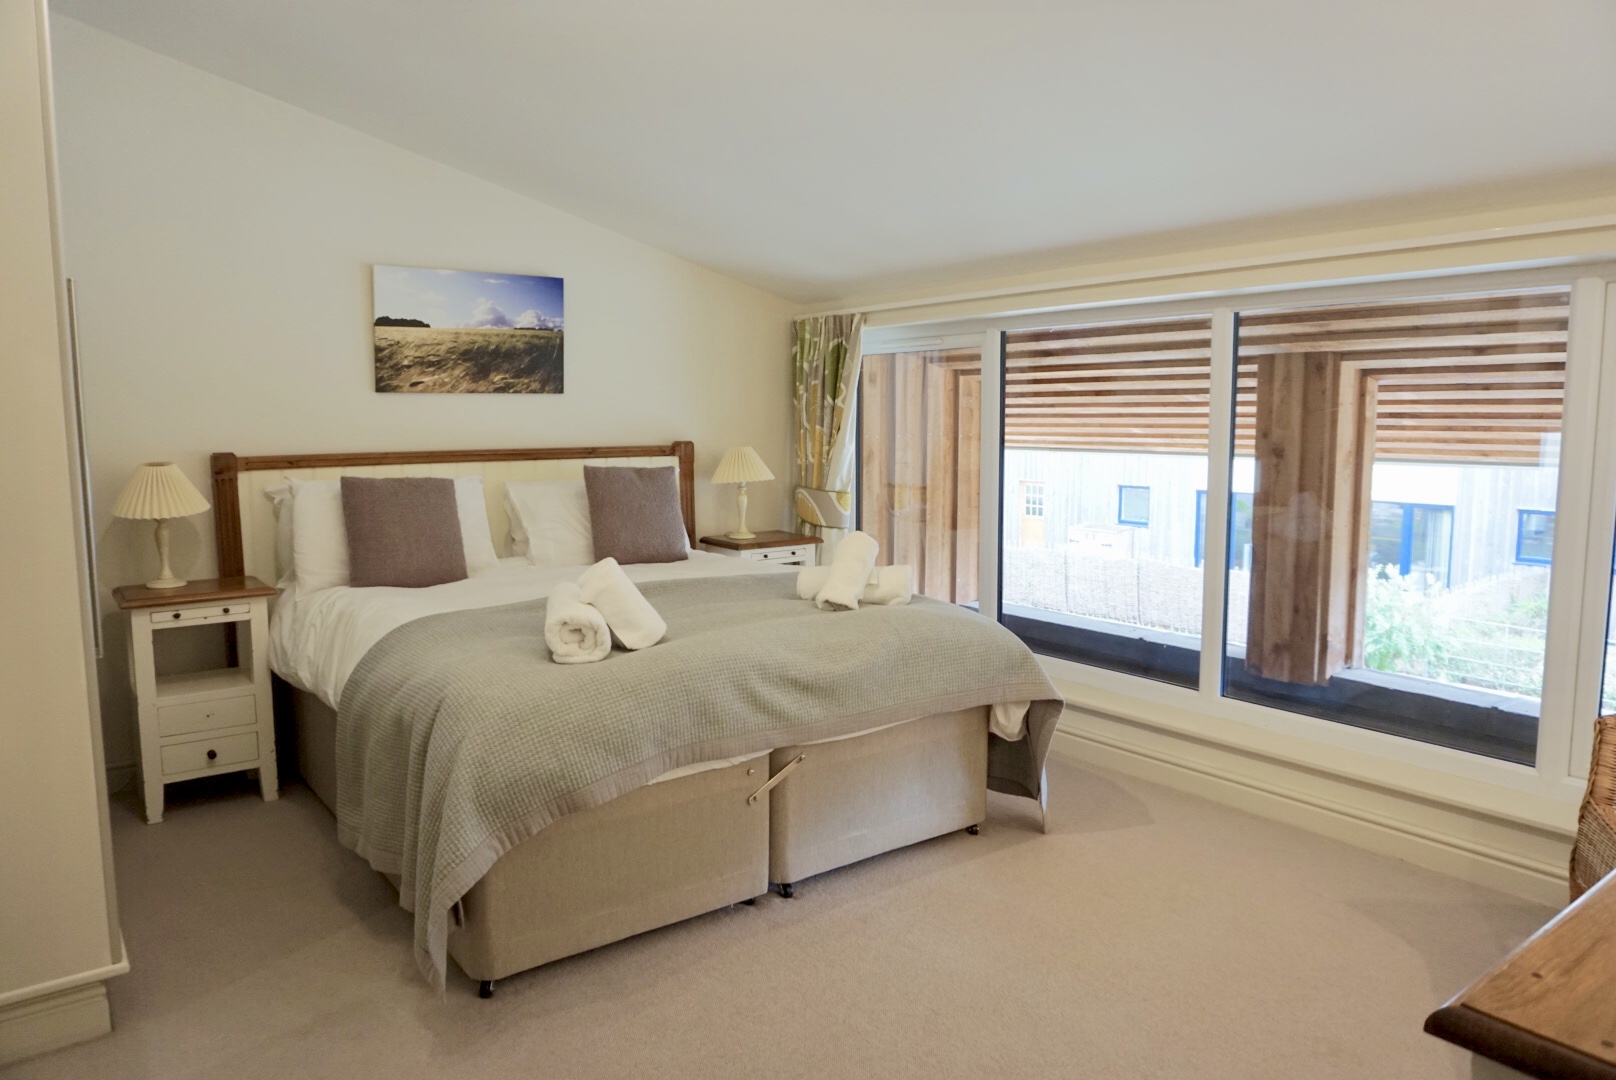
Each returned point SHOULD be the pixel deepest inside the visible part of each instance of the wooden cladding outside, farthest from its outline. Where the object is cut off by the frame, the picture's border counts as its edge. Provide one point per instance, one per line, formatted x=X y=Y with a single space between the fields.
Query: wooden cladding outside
x=1144 y=387
x=1469 y=379
x=1315 y=450
x=920 y=444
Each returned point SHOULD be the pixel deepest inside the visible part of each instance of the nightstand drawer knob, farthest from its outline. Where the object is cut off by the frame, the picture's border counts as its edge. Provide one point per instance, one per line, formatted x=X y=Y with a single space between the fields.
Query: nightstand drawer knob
x=176 y=615
x=213 y=755
x=227 y=611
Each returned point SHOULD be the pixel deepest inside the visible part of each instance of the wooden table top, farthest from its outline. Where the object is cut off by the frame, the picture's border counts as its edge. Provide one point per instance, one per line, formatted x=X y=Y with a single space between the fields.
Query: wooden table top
x=204 y=591
x=769 y=538
x=1549 y=1009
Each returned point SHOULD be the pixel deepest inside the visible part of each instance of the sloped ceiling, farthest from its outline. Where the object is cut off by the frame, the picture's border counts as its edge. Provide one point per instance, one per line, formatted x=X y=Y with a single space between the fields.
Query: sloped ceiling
x=836 y=148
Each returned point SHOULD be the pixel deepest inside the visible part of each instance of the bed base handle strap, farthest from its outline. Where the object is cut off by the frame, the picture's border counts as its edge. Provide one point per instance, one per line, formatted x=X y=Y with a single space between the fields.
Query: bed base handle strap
x=751 y=800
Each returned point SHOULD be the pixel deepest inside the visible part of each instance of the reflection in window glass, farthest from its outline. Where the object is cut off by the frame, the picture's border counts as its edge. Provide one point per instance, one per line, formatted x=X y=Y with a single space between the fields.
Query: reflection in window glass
x=1110 y=422
x=920 y=465
x=1388 y=583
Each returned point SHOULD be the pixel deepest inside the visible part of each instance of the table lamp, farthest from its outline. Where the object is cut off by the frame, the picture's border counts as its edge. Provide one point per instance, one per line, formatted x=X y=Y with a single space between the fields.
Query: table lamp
x=158 y=492
x=741 y=465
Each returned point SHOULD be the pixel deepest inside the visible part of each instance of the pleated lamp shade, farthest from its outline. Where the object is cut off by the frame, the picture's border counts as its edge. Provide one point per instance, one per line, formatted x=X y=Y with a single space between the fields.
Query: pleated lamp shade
x=741 y=465
x=159 y=491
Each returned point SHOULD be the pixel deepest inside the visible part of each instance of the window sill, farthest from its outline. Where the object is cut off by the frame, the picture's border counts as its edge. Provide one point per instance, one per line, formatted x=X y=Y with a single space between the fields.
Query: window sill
x=1288 y=739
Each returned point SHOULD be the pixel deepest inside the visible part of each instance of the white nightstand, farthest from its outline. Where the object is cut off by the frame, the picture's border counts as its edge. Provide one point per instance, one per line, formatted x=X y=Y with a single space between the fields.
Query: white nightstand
x=790 y=549
x=202 y=722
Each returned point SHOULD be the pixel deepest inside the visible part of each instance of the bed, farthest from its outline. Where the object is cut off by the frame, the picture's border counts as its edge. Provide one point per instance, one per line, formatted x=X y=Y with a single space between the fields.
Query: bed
x=689 y=839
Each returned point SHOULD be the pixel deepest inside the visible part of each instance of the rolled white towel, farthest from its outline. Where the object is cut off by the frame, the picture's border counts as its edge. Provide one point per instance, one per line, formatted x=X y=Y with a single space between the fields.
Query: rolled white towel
x=575 y=631
x=891 y=585
x=849 y=572
x=810 y=579
x=887 y=585
x=633 y=621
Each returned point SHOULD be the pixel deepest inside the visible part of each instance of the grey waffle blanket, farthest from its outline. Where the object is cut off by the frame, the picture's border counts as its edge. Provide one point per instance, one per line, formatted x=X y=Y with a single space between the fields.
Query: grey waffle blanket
x=458 y=738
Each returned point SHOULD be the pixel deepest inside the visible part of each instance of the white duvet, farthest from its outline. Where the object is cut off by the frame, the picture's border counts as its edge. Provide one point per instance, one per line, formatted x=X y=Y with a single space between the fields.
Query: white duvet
x=317 y=639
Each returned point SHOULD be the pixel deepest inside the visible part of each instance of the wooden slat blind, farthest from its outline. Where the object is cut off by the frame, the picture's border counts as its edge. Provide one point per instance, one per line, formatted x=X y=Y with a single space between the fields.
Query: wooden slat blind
x=1470 y=379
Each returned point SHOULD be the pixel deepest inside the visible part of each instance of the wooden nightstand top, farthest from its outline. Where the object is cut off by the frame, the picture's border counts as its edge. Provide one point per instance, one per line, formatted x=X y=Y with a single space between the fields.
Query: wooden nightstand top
x=206 y=591
x=770 y=539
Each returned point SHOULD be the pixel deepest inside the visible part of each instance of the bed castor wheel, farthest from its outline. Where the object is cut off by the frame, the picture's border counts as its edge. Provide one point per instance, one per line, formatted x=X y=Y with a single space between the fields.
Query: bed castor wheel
x=787 y=890
x=974 y=830
x=485 y=988
x=750 y=902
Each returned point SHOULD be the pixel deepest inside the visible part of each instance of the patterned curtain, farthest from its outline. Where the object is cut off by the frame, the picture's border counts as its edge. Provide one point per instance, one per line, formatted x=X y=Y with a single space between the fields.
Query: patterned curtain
x=825 y=362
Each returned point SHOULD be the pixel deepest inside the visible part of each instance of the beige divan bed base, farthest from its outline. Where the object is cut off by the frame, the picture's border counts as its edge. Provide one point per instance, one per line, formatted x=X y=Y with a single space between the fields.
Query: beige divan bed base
x=681 y=848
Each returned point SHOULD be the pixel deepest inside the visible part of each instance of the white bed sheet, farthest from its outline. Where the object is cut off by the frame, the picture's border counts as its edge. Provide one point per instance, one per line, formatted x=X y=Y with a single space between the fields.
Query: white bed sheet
x=317 y=639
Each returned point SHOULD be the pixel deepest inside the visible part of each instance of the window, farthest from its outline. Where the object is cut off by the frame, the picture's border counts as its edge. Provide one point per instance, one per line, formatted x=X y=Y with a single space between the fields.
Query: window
x=1133 y=505
x=1100 y=417
x=919 y=465
x=1412 y=540
x=1379 y=432
x=1534 y=537
x=1032 y=499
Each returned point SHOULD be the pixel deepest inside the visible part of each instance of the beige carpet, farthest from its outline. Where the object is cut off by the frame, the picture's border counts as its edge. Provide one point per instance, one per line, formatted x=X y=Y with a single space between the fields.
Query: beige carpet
x=1151 y=934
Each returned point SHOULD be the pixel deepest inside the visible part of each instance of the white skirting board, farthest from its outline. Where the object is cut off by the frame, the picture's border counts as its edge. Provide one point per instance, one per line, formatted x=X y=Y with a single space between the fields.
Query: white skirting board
x=53 y=1021
x=1509 y=856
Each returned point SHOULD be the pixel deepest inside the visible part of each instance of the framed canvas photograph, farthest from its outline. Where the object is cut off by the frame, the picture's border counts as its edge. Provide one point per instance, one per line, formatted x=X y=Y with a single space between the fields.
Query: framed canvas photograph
x=466 y=332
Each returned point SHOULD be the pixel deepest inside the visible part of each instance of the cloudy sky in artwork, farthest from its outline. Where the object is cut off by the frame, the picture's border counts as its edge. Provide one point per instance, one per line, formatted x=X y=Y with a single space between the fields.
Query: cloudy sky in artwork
x=468 y=298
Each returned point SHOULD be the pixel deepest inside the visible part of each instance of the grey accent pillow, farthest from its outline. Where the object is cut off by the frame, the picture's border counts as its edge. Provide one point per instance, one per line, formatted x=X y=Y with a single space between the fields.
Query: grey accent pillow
x=634 y=514
x=402 y=531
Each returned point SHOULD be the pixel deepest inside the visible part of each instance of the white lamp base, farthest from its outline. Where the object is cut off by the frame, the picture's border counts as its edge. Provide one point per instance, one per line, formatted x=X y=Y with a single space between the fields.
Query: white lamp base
x=742 y=533
x=166 y=579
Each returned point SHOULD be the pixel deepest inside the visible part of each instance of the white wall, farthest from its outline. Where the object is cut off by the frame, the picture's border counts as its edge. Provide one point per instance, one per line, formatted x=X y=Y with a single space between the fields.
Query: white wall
x=222 y=244
x=54 y=917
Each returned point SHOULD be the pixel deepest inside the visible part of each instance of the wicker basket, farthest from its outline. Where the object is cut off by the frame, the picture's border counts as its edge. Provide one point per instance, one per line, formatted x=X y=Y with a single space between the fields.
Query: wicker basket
x=1593 y=855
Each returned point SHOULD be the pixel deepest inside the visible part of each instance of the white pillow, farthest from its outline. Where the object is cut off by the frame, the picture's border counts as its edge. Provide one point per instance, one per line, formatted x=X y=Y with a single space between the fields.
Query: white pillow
x=550 y=522
x=280 y=499
x=320 y=539
x=475 y=536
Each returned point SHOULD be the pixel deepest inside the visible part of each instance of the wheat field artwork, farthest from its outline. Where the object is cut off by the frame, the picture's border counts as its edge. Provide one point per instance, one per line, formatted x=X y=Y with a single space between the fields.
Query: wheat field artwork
x=467 y=332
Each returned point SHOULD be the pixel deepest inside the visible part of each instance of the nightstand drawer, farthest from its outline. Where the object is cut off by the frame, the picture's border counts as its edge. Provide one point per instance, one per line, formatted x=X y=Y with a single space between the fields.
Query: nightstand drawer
x=777 y=554
x=207 y=715
x=203 y=613
x=193 y=756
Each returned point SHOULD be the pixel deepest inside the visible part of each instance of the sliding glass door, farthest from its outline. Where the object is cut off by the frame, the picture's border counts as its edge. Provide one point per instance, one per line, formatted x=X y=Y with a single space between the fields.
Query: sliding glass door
x=1103 y=496
x=1390 y=507
x=1404 y=465
x=920 y=451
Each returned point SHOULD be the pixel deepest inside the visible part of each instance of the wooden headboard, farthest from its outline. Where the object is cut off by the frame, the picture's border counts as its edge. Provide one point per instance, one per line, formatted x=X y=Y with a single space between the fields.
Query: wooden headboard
x=547 y=463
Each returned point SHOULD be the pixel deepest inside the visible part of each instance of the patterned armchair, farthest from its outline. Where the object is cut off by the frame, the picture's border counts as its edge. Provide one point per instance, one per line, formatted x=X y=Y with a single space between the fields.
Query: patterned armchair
x=1593 y=855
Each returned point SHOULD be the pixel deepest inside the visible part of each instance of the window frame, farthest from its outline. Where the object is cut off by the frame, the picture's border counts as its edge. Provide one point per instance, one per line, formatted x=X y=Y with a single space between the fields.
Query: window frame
x=1520 y=536
x=1122 y=496
x=1589 y=513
